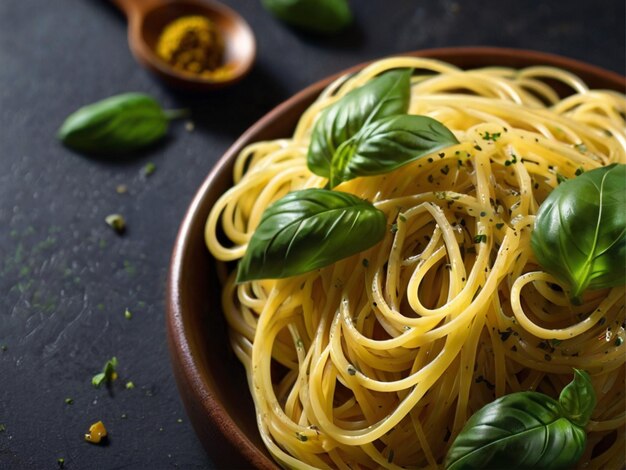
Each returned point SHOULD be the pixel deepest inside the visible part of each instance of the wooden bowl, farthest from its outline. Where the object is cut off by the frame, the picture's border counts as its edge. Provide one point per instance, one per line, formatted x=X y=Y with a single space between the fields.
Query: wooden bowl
x=211 y=381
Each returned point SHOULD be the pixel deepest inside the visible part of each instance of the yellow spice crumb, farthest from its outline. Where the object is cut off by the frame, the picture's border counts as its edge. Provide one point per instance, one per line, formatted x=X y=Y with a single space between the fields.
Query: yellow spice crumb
x=96 y=433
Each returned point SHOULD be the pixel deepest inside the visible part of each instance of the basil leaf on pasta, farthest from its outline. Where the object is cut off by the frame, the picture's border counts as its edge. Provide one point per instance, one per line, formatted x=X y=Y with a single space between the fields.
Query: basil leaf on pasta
x=580 y=230
x=525 y=430
x=388 y=144
x=310 y=229
x=383 y=96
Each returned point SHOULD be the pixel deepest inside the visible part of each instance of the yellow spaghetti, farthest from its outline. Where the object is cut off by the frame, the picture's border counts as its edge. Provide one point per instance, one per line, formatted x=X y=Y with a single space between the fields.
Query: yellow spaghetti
x=378 y=360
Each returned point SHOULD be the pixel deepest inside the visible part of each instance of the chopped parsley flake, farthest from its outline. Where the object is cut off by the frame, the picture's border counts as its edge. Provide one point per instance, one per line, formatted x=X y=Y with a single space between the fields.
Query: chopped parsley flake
x=579 y=171
x=107 y=375
x=127 y=314
x=493 y=137
x=480 y=238
x=149 y=169
x=116 y=222
x=582 y=148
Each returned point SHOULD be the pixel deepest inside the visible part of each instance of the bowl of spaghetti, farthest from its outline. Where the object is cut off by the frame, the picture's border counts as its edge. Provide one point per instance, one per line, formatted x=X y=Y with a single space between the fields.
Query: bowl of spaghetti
x=376 y=347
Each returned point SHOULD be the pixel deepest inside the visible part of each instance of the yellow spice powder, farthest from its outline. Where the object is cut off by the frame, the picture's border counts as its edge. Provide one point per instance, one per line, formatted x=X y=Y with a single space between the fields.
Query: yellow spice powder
x=193 y=44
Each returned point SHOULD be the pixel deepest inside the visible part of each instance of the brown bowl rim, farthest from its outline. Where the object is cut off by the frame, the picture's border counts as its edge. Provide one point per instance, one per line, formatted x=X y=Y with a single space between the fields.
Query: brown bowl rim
x=192 y=388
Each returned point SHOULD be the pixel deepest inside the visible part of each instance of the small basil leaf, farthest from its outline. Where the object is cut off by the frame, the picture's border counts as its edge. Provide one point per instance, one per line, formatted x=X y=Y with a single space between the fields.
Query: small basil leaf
x=578 y=399
x=309 y=229
x=386 y=95
x=115 y=125
x=580 y=230
x=387 y=144
x=317 y=16
x=523 y=430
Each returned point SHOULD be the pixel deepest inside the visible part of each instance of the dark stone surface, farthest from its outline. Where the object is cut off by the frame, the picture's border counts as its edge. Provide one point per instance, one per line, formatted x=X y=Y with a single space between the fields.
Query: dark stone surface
x=66 y=278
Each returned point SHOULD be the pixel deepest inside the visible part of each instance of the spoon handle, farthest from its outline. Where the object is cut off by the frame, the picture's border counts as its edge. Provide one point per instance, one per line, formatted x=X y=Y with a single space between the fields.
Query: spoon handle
x=137 y=8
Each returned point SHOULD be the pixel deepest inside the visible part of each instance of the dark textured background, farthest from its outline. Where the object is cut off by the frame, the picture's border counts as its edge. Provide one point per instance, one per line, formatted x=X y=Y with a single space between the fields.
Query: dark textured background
x=66 y=278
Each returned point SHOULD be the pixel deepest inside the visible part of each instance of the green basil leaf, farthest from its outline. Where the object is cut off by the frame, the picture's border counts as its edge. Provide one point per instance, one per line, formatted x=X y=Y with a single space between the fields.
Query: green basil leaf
x=387 y=144
x=309 y=229
x=118 y=124
x=580 y=230
x=578 y=399
x=523 y=430
x=386 y=95
x=317 y=16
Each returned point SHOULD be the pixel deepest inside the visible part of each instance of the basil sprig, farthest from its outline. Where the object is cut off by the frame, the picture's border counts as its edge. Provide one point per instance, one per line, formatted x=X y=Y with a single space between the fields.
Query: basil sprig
x=309 y=229
x=367 y=132
x=317 y=16
x=580 y=231
x=527 y=430
x=116 y=125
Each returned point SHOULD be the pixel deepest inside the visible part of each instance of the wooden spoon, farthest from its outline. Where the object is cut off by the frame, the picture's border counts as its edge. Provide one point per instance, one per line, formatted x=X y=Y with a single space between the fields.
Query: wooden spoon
x=148 y=18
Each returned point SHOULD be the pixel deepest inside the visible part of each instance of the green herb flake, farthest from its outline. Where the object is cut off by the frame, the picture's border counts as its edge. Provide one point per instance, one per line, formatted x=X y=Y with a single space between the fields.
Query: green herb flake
x=351 y=370
x=127 y=314
x=394 y=228
x=445 y=170
x=499 y=226
x=3 y=428
x=149 y=169
x=69 y=401
x=179 y=420
x=301 y=437
x=582 y=148
x=116 y=222
x=579 y=171
x=3 y=348
x=300 y=344
x=365 y=262
x=480 y=238
x=390 y=456
x=107 y=375
x=130 y=385
x=619 y=341
x=61 y=462
x=477 y=147
x=493 y=137
x=560 y=178
x=504 y=335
